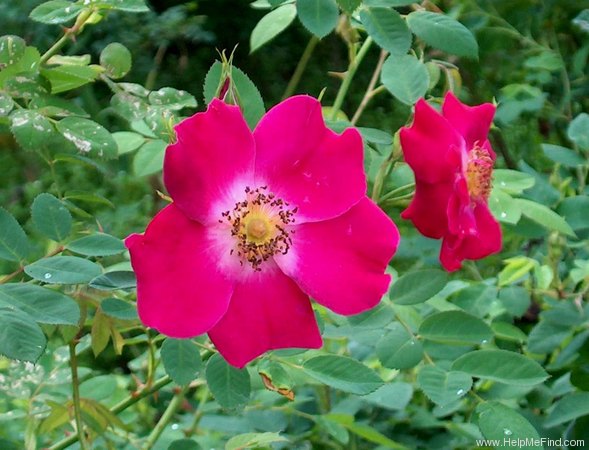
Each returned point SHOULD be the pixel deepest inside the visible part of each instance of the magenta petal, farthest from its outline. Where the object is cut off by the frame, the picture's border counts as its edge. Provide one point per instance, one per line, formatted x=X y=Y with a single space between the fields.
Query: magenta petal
x=214 y=152
x=179 y=290
x=305 y=163
x=267 y=312
x=428 y=209
x=427 y=143
x=341 y=262
x=472 y=122
x=484 y=242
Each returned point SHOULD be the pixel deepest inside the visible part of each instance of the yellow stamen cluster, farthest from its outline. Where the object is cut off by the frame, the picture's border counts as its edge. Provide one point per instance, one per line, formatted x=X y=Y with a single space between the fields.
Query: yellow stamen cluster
x=479 y=169
x=259 y=225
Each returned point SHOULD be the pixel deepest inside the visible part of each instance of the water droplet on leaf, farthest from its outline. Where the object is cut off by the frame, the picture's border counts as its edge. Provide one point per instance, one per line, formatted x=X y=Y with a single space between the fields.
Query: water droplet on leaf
x=47 y=276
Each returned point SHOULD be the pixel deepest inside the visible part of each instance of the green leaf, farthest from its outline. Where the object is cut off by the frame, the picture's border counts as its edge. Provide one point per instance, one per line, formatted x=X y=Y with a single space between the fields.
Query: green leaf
x=365 y=431
x=564 y=156
x=118 y=309
x=51 y=217
x=98 y=244
x=318 y=16
x=575 y=210
x=516 y=268
x=253 y=440
x=66 y=78
x=499 y=422
x=12 y=49
x=53 y=106
x=128 y=106
x=512 y=181
x=349 y=6
x=441 y=387
x=63 y=270
x=124 y=5
x=392 y=396
x=28 y=62
x=388 y=29
x=149 y=158
x=184 y=444
x=375 y=136
x=405 y=77
x=181 y=360
x=508 y=332
x=55 y=11
x=14 y=245
x=171 y=98
x=6 y=104
x=343 y=373
x=544 y=216
x=501 y=365
x=213 y=81
x=504 y=207
x=115 y=280
x=578 y=131
x=455 y=327
x=127 y=141
x=417 y=286
x=43 y=305
x=116 y=60
x=31 y=130
x=570 y=407
x=397 y=349
x=444 y=33
x=272 y=24
x=20 y=337
x=387 y=3
x=230 y=386
x=515 y=299
x=88 y=137
x=546 y=336
x=249 y=99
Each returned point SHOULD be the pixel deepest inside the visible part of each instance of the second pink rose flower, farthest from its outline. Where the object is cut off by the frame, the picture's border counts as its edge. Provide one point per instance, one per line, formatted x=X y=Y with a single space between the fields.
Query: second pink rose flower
x=452 y=159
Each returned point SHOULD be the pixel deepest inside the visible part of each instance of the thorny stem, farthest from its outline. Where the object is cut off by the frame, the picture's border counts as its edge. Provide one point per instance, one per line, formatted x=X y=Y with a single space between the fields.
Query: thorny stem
x=157 y=62
x=391 y=194
x=198 y=412
x=353 y=67
x=76 y=395
x=121 y=406
x=383 y=170
x=301 y=66
x=68 y=33
x=370 y=91
x=165 y=419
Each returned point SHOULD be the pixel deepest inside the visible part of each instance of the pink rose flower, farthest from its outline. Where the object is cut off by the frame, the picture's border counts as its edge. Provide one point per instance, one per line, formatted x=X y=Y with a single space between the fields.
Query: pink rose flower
x=453 y=164
x=260 y=222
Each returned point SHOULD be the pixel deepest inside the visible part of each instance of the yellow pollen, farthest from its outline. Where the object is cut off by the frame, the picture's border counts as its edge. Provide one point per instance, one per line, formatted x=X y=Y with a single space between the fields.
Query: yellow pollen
x=261 y=227
x=479 y=169
x=257 y=229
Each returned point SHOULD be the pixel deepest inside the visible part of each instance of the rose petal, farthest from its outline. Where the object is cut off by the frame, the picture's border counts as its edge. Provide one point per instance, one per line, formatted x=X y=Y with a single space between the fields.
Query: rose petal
x=428 y=209
x=214 y=152
x=472 y=122
x=179 y=290
x=427 y=145
x=306 y=164
x=341 y=262
x=485 y=242
x=267 y=312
